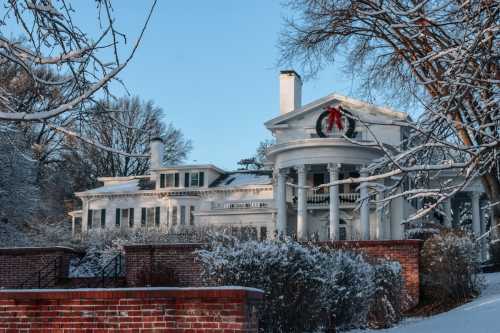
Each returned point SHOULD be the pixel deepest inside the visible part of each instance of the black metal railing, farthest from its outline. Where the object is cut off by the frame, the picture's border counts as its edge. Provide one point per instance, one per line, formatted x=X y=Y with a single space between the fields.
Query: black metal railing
x=47 y=277
x=112 y=270
x=109 y=275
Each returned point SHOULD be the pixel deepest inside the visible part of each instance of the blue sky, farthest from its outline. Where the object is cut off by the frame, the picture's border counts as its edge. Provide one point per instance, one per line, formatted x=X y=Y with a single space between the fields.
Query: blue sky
x=211 y=65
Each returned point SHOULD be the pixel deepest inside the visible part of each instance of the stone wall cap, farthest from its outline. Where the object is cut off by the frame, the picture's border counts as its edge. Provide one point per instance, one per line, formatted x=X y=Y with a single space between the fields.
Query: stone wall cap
x=139 y=247
x=368 y=243
x=229 y=292
x=38 y=250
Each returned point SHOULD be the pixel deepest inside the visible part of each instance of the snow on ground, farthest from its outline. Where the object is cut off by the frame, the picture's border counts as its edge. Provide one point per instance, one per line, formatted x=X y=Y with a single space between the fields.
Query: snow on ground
x=478 y=316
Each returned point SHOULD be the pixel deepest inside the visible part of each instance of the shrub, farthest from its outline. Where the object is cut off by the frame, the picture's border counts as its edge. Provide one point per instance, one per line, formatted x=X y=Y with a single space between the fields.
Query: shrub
x=304 y=287
x=348 y=280
x=289 y=273
x=449 y=269
x=494 y=250
x=386 y=305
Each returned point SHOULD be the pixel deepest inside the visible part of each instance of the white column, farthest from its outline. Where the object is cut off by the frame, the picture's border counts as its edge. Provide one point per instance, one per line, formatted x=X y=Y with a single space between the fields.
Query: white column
x=483 y=245
x=281 y=202
x=301 y=204
x=334 y=202
x=365 y=208
x=476 y=217
x=73 y=226
x=447 y=213
x=382 y=232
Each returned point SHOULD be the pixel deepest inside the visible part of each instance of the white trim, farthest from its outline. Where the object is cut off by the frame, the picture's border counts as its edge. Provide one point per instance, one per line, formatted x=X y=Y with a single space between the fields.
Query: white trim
x=334 y=97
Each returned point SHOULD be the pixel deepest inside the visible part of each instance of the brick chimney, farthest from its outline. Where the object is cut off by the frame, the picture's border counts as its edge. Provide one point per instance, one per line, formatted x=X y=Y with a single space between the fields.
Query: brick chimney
x=157 y=148
x=290 y=91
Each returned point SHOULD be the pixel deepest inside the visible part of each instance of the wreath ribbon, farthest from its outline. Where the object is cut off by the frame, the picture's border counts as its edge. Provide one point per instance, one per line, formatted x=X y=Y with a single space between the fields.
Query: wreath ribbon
x=334 y=118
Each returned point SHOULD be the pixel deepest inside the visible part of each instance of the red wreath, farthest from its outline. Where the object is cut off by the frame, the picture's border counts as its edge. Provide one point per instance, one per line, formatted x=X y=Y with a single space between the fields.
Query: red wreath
x=334 y=117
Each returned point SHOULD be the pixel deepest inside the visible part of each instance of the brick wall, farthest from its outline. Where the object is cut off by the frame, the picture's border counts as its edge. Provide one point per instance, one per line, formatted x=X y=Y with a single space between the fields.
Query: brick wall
x=180 y=261
x=406 y=252
x=162 y=265
x=19 y=264
x=224 y=310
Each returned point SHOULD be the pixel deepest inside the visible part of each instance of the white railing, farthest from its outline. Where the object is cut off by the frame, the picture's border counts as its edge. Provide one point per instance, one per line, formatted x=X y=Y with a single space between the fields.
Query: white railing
x=240 y=205
x=315 y=199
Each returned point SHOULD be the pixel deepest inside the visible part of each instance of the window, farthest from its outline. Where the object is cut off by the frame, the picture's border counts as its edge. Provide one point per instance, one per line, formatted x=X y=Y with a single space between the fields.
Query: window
x=96 y=217
x=150 y=217
x=78 y=225
x=131 y=218
x=194 y=179
x=183 y=215
x=124 y=215
x=174 y=215
x=103 y=218
x=169 y=180
x=191 y=215
x=143 y=217
x=157 y=216
x=195 y=176
x=263 y=233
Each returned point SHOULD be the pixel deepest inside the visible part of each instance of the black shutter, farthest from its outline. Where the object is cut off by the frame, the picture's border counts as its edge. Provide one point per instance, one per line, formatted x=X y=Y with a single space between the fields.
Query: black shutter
x=103 y=218
x=176 y=180
x=162 y=180
x=89 y=219
x=157 y=216
x=202 y=179
x=117 y=217
x=131 y=218
x=143 y=217
x=186 y=179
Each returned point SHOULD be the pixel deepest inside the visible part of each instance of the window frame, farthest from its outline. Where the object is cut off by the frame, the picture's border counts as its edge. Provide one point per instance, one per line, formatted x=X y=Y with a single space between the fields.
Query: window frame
x=169 y=179
x=150 y=217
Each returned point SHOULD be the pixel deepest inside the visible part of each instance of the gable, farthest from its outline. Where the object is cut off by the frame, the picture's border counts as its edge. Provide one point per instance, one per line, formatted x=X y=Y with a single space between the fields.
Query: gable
x=301 y=123
x=362 y=109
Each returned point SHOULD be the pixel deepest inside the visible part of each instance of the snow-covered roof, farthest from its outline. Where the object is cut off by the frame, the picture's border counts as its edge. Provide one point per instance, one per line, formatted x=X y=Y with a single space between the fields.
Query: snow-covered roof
x=128 y=186
x=350 y=102
x=244 y=178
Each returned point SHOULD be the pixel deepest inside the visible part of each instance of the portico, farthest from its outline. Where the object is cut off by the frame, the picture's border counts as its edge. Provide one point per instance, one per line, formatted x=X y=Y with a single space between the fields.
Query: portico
x=308 y=210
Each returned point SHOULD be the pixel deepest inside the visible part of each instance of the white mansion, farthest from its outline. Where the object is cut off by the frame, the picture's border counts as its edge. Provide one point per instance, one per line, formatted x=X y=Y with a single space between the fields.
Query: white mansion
x=309 y=151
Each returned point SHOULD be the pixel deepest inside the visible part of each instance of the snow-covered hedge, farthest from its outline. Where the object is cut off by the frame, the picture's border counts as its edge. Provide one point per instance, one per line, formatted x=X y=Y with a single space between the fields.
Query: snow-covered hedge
x=386 y=305
x=101 y=246
x=305 y=287
x=449 y=268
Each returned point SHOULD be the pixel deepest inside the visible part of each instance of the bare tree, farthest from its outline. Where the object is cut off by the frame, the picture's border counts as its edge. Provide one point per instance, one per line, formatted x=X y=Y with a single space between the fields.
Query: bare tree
x=139 y=122
x=51 y=42
x=443 y=53
x=19 y=193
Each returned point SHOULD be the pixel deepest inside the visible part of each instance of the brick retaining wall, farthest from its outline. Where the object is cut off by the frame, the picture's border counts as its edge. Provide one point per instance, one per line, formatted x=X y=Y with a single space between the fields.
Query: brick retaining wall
x=20 y=263
x=162 y=265
x=180 y=261
x=406 y=252
x=216 y=310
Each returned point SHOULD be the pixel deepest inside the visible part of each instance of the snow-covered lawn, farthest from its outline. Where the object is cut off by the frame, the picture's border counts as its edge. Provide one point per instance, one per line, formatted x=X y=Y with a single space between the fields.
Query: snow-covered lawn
x=480 y=316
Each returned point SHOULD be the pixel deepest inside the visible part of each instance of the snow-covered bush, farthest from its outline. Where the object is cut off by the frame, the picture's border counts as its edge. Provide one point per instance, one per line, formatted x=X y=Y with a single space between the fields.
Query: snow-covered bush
x=386 y=305
x=494 y=250
x=101 y=246
x=305 y=287
x=348 y=288
x=449 y=269
x=290 y=274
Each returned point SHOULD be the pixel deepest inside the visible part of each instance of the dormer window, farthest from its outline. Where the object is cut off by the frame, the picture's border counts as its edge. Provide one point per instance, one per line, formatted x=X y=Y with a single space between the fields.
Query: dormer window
x=194 y=179
x=169 y=180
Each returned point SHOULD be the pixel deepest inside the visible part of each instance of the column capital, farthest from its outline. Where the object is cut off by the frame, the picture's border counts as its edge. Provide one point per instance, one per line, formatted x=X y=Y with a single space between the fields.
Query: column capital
x=281 y=171
x=301 y=168
x=334 y=167
x=475 y=194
